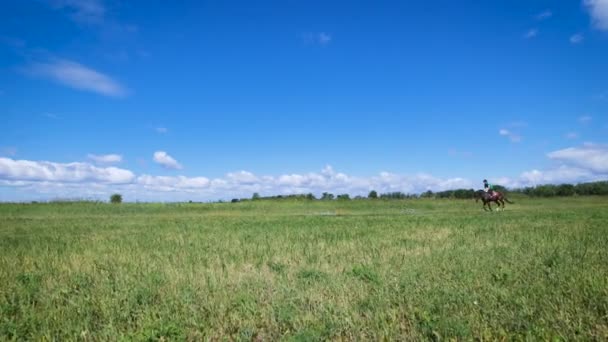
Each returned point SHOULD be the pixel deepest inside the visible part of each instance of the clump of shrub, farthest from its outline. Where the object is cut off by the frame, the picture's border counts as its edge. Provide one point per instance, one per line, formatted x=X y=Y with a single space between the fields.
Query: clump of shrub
x=116 y=198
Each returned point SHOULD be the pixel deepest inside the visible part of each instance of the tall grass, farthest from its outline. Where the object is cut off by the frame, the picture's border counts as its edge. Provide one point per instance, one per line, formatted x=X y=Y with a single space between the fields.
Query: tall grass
x=369 y=269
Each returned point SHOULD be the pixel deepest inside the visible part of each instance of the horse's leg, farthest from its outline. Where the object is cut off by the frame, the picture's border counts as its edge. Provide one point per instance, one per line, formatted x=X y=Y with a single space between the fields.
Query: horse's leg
x=490 y=205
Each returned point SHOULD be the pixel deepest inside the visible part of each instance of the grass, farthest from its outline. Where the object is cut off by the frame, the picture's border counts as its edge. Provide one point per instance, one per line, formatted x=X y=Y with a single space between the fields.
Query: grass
x=267 y=270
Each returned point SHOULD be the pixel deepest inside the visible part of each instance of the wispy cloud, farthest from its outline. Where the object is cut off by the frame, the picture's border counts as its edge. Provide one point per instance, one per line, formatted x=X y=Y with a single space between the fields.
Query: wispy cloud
x=585 y=119
x=51 y=116
x=76 y=76
x=105 y=158
x=319 y=38
x=8 y=151
x=455 y=153
x=161 y=130
x=571 y=135
x=513 y=137
x=576 y=38
x=546 y=14
x=82 y=11
x=13 y=42
x=165 y=160
x=531 y=33
x=598 y=9
x=324 y=38
x=517 y=124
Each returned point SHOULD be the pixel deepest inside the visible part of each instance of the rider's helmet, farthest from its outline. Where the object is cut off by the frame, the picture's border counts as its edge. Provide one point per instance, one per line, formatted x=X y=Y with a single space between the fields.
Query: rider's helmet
x=485 y=181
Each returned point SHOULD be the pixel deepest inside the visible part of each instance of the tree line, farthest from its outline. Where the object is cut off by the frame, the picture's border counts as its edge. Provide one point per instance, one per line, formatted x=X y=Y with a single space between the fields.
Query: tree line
x=546 y=190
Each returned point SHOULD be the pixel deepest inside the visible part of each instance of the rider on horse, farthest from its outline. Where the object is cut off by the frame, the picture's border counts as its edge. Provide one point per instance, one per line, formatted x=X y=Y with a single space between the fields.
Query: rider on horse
x=487 y=187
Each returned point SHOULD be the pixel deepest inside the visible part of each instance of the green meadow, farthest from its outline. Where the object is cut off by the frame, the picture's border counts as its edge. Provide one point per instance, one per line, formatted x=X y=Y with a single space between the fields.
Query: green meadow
x=420 y=269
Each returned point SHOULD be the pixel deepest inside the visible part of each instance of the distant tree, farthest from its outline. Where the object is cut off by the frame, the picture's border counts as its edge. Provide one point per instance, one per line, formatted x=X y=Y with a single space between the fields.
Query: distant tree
x=565 y=190
x=464 y=193
x=394 y=195
x=547 y=190
x=116 y=198
x=327 y=196
x=344 y=197
x=427 y=194
x=445 y=194
x=310 y=197
x=255 y=196
x=500 y=188
x=593 y=188
x=528 y=191
x=234 y=200
x=372 y=194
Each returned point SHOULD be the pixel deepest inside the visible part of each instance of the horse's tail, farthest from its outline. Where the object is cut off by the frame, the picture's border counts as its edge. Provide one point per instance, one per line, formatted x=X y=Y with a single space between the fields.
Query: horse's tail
x=506 y=200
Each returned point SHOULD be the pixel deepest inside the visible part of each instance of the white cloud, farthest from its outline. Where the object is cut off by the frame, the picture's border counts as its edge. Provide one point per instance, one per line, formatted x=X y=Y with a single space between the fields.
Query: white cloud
x=164 y=159
x=82 y=180
x=179 y=183
x=531 y=33
x=590 y=157
x=586 y=163
x=599 y=13
x=544 y=15
x=26 y=170
x=576 y=38
x=559 y=175
x=77 y=76
x=512 y=136
x=43 y=179
x=242 y=177
x=105 y=158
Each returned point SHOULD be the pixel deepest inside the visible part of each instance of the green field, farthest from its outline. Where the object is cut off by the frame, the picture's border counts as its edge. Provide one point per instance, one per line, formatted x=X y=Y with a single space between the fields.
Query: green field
x=305 y=270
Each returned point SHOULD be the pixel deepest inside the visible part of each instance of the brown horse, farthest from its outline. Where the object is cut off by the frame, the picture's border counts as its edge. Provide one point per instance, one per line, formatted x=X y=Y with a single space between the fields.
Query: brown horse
x=487 y=198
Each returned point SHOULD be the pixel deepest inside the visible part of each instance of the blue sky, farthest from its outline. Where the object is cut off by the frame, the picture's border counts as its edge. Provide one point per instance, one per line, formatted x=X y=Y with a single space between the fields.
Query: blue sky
x=213 y=99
